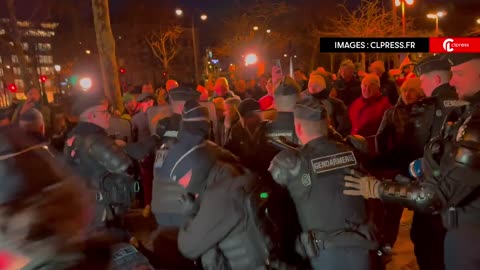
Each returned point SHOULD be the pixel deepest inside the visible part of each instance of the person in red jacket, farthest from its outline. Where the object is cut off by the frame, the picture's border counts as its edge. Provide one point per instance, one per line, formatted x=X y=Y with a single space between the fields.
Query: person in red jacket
x=366 y=112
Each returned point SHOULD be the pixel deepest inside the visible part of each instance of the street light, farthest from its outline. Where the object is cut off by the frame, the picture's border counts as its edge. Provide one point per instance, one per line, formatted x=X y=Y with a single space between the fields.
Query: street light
x=203 y=17
x=402 y=3
x=85 y=83
x=58 y=68
x=436 y=16
x=478 y=21
x=88 y=52
x=269 y=31
x=251 y=59
x=255 y=28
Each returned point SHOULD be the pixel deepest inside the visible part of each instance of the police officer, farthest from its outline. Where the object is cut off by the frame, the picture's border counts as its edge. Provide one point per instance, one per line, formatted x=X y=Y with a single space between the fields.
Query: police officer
x=219 y=230
x=140 y=120
x=336 y=109
x=285 y=98
x=168 y=127
x=440 y=97
x=334 y=226
x=98 y=159
x=449 y=173
x=44 y=210
x=427 y=232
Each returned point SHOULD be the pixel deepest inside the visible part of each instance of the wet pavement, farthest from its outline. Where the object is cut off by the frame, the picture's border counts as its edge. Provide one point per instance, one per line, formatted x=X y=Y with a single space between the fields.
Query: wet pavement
x=403 y=257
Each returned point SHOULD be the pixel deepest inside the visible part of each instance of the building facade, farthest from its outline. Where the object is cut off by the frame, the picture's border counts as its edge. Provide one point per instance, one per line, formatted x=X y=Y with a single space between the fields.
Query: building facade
x=36 y=41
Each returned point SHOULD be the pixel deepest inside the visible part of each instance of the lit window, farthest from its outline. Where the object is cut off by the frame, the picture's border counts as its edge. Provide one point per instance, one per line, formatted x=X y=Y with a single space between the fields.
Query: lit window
x=17 y=71
x=0 y=59
x=45 y=59
x=1 y=71
x=45 y=70
x=2 y=31
x=14 y=59
x=44 y=46
x=25 y=46
x=19 y=83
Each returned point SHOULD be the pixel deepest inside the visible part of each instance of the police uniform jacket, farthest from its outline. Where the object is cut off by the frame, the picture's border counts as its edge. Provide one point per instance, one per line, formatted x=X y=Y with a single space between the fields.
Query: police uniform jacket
x=314 y=177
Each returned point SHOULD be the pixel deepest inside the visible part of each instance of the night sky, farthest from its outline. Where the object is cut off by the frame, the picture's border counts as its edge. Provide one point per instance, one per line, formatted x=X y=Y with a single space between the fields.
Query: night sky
x=461 y=13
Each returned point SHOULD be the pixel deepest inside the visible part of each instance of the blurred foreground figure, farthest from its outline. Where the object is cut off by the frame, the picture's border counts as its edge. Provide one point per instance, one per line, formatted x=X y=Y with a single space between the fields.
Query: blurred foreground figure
x=99 y=160
x=44 y=210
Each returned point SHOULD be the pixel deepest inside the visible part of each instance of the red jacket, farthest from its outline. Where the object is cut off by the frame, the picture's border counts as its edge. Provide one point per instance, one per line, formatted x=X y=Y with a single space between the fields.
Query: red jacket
x=366 y=116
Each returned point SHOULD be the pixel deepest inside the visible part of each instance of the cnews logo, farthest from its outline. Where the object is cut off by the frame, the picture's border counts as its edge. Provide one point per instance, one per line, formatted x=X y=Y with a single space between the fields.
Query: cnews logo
x=446 y=45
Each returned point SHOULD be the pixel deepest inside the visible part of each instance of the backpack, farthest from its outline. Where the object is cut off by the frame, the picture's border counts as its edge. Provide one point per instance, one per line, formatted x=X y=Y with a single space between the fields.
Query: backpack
x=273 y=219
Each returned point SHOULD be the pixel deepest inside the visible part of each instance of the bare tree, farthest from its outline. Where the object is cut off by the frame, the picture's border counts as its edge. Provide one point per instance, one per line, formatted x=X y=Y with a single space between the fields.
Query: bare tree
x=241 y=35
x=164 y=44
x=106 y=50
x=371 y=19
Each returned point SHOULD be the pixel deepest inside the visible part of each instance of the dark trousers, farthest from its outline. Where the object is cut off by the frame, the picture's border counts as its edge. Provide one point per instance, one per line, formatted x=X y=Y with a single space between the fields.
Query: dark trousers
x=146 y=171
x=391 y=225
x=343 y=259
x=462 y=246
x=427 y=234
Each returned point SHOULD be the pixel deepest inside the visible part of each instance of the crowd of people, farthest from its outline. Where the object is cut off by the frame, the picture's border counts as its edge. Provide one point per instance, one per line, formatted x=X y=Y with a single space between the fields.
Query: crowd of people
x=305 y=172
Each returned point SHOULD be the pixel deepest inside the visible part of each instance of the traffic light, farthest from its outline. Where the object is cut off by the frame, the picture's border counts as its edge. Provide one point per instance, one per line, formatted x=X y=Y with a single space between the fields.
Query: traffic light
x=122 y=70
x=12 y=88
x=165 y=74
x=43 y=78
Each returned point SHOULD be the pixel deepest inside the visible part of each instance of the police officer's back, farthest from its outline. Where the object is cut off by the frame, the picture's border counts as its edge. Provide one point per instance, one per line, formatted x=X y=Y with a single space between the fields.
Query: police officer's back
x=97 y=158
x=45 y=209
x=215 y=184
x=449 y=173
x=313 y=176
x=167 y=128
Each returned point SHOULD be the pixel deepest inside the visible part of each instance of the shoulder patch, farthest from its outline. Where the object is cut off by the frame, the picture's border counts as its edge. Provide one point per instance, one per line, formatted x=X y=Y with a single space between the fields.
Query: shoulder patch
x=333 y=162
x=170 y=134
x=70 y=141
x=454 y=103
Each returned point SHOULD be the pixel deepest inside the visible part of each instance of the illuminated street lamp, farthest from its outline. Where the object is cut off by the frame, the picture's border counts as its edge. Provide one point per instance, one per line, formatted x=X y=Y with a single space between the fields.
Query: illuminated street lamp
x=285 y=55
x=402 y=3
x=478 y=21
x=269 y=31
x=255 y=28
x=57 y=68
x=203 y=17
x=436 y=16
x=88 y=52
x=85 y=84
x=251 y=59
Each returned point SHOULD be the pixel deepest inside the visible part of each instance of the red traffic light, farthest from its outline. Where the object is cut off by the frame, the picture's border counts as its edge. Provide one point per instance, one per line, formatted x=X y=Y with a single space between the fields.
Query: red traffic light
x=12 y=88
x=43 y=78
x=122 y=70
x=164 y=74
